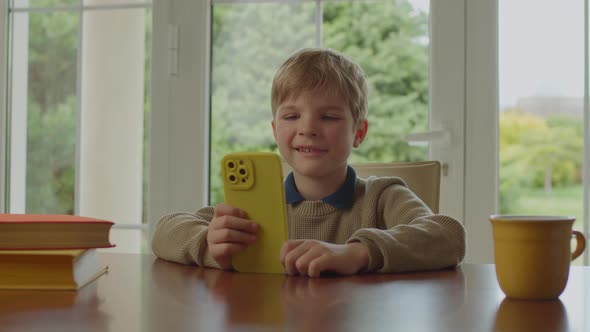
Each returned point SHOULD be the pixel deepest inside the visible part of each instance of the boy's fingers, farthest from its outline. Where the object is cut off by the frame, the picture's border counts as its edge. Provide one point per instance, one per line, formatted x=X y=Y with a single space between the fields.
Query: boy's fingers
x=319 y=264
x=302 y=263
x=232 y=236
x=232 y=222
x=287 y=247
x=293 y=255
x=227 y=249
x=223 y=209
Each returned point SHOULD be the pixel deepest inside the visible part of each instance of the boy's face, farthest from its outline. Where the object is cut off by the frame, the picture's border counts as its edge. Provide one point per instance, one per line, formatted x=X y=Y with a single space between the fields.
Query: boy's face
x=315 y=133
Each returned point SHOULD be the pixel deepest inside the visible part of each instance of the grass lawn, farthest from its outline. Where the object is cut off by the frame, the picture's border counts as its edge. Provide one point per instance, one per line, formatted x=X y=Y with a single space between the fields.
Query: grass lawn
x=562 y=201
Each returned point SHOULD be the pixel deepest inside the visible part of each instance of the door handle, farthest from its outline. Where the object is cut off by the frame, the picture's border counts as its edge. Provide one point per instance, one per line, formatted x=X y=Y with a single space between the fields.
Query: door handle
x=441 y=137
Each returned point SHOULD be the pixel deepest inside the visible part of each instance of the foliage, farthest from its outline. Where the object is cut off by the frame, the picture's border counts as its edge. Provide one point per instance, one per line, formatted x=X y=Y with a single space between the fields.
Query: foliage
x=250 y=42
x=515 y=123
x=53 y=45
x=52 y=104
x=386 y=40
x=537 y=152
x=51 y=117
x=51 y=140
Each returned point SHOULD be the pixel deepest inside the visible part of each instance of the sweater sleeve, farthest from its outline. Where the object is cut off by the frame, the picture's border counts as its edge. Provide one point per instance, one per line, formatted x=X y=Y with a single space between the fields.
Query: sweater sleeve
x=182 y=238
x=409 y=237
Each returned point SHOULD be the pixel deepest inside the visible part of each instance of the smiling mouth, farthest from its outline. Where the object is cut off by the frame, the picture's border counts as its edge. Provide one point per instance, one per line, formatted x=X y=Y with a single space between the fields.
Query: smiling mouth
x=307 y=149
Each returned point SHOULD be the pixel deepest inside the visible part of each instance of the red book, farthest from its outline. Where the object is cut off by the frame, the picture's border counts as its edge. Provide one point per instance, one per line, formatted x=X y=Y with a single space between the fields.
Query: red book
x=53 y=231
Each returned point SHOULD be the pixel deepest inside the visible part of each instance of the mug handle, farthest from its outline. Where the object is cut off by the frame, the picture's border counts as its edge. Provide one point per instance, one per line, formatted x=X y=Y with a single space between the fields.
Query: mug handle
x=580 y=244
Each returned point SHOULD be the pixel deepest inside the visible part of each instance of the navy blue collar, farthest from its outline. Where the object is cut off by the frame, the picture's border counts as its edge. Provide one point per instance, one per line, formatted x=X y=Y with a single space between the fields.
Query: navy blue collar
x=342 y=198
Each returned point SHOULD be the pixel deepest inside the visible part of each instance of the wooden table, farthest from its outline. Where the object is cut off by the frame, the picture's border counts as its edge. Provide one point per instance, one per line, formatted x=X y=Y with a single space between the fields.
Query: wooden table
x=142 y=293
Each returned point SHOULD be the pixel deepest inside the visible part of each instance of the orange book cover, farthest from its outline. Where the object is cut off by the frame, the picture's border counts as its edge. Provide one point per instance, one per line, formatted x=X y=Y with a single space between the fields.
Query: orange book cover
x=47 y=218
x=53 y=231
x=49 y=269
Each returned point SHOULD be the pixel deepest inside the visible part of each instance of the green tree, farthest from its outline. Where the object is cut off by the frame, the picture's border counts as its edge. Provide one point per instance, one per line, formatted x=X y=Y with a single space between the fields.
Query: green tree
x=545 y=151
x=387 y=39
x=514 y=174
x=250 y=42
x=53 y=44
x=536 y=152
x=51 y=122
x=50 y=158
x=51 y=131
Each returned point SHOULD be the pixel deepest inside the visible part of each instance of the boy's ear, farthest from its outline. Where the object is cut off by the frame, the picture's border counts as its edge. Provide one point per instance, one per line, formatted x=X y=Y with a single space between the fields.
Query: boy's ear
x=274 y=130
x=361 y=133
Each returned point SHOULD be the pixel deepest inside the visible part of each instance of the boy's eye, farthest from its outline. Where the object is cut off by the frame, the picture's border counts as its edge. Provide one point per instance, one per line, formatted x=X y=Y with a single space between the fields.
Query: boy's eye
x=330 y=117
x=290 y=117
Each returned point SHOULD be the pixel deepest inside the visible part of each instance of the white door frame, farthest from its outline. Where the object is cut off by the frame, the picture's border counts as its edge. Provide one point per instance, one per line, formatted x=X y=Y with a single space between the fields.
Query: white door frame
x=180 y=105
x=3 y=104
x=481 y=131
x=447 y=108
x=179 y=118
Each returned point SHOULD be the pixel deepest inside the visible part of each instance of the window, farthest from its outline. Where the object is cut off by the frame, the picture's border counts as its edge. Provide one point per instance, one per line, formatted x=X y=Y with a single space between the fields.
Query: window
x=78 y=104
x=187 y=71
x=506 y=71
x=541 y=118
x=390 y=40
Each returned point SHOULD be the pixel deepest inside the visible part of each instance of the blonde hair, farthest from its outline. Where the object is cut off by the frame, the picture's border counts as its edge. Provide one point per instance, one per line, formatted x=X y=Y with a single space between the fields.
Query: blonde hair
x=317 y=68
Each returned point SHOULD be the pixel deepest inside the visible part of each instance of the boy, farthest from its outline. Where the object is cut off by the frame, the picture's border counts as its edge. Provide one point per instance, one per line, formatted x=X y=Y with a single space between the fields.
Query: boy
x=337 y=222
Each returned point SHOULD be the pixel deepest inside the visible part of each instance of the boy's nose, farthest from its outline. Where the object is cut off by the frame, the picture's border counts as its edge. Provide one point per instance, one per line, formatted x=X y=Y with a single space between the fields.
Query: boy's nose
x=308 y=128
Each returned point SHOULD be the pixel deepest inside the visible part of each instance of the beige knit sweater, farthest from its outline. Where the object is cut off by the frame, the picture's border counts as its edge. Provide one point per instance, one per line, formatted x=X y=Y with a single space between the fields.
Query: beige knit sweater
x=401 y=232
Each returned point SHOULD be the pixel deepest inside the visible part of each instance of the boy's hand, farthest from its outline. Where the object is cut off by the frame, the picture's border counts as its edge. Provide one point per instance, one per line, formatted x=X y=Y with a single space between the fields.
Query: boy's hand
x=229 y=233
x=311 y=257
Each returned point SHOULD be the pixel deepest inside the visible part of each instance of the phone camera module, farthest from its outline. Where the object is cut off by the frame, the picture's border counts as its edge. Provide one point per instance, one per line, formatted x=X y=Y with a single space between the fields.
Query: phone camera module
x=232 y=178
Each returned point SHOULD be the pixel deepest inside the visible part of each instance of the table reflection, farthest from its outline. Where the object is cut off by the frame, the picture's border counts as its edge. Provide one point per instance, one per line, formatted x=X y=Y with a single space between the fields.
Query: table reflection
x=538 y=316
x=248 y=298
x=335 y=303
x=39 y=308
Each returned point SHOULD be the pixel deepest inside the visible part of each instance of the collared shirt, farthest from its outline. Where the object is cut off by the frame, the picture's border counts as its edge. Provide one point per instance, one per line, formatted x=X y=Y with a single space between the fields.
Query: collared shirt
x=341 y=199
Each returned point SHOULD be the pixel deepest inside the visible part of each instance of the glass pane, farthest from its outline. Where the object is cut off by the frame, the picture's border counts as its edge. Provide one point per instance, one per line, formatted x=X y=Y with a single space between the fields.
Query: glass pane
x=541 y=65
x=389 y=40
x=50 y=111
x=114 y=78
x=249 y=43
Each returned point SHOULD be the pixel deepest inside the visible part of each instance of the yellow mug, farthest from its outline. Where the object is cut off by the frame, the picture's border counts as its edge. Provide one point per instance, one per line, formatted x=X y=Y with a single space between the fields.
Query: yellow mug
x=532 y=254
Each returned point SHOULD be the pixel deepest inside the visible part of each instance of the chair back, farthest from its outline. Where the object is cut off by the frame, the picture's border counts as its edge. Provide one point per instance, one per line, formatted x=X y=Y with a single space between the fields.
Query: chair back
x=422 y=177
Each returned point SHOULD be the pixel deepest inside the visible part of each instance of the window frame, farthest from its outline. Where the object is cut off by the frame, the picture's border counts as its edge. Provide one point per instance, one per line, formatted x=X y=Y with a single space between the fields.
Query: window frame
x=482 y=105
x=5 y=93
x=481 y=127
x=3 y=104
x=179 y=118
x=180 y=182
x=179 y=121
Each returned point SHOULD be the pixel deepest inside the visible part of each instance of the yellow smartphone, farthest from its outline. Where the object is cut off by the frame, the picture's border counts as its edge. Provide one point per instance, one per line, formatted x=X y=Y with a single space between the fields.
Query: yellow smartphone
x=253 y=182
